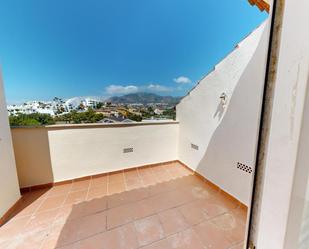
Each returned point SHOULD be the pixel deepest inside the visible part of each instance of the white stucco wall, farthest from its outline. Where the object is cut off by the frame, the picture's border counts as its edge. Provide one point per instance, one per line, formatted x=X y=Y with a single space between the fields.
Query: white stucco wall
x=9 y=189
x=227 y=135
x=55 y=154
x=287 y=161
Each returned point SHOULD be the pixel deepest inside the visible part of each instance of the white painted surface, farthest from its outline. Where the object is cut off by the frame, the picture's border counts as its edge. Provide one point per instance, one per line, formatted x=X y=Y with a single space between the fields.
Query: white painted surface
x=226 y=134
x=298 y=221
x=9 y=193
x=56 y=154
x=283 y=155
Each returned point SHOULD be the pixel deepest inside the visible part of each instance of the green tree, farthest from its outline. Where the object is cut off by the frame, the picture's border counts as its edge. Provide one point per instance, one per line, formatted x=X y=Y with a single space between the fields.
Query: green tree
x=89 y=116
x=31 y=119
x=99 y=105
x=170 y=113
x=134 y=117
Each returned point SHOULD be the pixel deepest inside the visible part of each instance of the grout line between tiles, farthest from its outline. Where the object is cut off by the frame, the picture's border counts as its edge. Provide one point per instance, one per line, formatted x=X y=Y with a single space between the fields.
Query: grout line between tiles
x=134 y=220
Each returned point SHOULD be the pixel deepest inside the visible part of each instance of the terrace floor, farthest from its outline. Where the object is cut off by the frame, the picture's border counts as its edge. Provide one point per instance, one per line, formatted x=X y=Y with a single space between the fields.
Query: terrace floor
x=159 y=207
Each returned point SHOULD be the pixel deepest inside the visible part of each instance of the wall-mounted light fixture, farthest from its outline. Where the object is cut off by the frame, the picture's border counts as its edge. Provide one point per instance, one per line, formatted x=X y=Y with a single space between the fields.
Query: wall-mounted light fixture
x=223 y=98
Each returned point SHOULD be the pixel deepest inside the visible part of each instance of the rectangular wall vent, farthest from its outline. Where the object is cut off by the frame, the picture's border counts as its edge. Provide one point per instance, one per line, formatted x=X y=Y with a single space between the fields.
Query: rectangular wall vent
x=194 y=146
x=127 y=150
x=244 y=167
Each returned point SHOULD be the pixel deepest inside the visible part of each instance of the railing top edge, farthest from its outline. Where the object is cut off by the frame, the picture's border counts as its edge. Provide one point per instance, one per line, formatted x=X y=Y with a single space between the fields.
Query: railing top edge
x=95 y=125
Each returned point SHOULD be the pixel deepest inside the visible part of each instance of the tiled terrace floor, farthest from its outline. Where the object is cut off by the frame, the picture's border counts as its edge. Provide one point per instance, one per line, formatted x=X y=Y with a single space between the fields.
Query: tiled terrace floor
x=158 y=207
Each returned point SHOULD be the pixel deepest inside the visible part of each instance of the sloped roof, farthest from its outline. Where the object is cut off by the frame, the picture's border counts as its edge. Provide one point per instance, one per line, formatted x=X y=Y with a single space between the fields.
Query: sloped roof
x=261 y=4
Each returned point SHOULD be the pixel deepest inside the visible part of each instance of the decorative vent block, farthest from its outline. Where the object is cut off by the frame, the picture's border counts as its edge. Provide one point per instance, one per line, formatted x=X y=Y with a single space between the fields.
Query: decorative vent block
x=127 y=150
x=194 y=146
x=244 y=167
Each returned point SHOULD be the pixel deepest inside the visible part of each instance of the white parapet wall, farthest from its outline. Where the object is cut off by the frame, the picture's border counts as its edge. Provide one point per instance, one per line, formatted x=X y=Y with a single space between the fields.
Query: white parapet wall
x=216 y=133
x=58 y=153
x=9 y=193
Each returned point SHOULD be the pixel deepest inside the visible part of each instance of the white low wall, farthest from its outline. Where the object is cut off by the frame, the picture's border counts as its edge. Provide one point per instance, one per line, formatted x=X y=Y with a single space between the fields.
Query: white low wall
x=57 y=153
x=9 y=192
x=226 y=134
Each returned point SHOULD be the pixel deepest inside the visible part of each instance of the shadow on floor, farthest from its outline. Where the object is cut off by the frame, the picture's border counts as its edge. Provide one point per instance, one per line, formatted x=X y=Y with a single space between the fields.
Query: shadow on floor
x=180 y=213
x=160 y=207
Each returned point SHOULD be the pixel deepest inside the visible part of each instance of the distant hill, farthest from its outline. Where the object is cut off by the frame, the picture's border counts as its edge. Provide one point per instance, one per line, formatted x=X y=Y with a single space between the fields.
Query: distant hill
x=144 y=98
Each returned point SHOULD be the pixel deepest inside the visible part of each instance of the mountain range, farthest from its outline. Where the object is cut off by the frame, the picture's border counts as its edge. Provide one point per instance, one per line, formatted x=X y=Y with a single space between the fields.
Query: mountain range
x=144 y=98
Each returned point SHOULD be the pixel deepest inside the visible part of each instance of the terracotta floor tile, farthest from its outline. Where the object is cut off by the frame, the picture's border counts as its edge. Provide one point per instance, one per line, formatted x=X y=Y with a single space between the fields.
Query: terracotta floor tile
x=75 y=197
x=69 y=232
x=99 y=182
x=6 y=244
x=115 y=188
x=144 y=171
x=191 y=181
x=241 y=215
x=211 y=236
x=72 y=246
x=175 y=172
x=49 y=244
x=115 y=177
x=161 y=202
x=148 y=230
x=127 y=197
x=27 y=208
x=60 y=190
x=172 y=221
x=42 y=220
x=239 y=246
x=148 y=180
x=143 y=209
x=69 y=212
x=51 y=240
x=211 y=188
x=94 y=242
x=198 y=192
x=63 y=234
x=180 y=197
x=159 y=171
x=162 y=187
x=96 y=193
x=184 y=171
x=52 y=203
x=30 y=240
x=13 y=228
x=94 y=206
x=120 y=215
x=37 y=194
x=133 y=184
x=92 y=225
x=176 y=210
x=163 y=176
x=123 y=237
x=161 y=244
x=170 y=199
x=194 y=212
x=80 y=185
x=214 y=209
x=131 y=174
x=185 y=240
x=232 y=228
x=224 y=201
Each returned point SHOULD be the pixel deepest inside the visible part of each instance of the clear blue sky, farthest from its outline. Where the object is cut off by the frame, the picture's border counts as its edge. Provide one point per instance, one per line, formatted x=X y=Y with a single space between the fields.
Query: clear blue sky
x=71 y=48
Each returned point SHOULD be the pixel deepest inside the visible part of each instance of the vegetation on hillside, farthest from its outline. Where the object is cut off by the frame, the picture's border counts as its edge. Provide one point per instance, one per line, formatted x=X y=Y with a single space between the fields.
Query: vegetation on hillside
x=31 y=119
x=78 y=117
x=89 y=116
x=170 y=113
